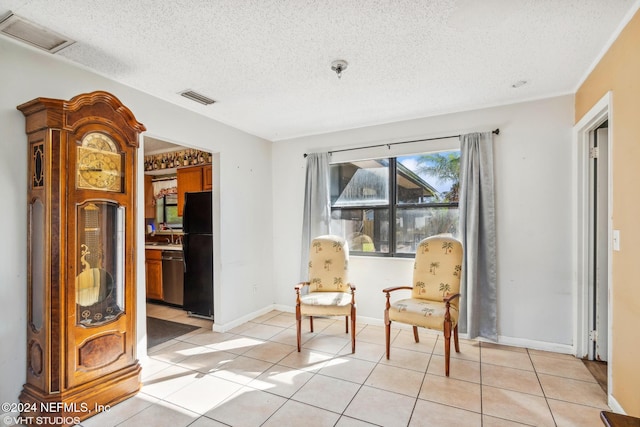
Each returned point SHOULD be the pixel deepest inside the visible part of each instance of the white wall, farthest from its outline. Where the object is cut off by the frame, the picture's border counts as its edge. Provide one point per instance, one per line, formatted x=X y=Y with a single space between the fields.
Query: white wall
x=243 y=185
x=533 y=177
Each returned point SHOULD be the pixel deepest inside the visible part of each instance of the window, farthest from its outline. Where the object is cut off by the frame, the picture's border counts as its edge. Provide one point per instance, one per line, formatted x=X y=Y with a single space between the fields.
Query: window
x=167 y=211
x=387 y=206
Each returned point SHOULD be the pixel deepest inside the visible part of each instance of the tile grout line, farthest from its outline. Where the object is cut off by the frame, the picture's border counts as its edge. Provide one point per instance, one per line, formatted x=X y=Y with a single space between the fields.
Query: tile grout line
x=384 y=354
x=544 y=393
x=424 y=377
x=338 y=354
x=359 y=388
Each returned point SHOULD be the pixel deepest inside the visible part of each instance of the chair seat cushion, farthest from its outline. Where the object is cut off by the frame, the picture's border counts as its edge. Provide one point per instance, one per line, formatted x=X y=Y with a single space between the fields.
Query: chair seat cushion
x=424 y=313
x=326 y=303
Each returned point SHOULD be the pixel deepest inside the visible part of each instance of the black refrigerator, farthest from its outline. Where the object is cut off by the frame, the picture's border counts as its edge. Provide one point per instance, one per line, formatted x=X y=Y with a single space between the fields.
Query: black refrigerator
x=197 y=245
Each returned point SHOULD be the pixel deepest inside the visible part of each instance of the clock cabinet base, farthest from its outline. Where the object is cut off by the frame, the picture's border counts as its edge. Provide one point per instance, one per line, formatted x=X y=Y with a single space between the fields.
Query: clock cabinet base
x=68 y=407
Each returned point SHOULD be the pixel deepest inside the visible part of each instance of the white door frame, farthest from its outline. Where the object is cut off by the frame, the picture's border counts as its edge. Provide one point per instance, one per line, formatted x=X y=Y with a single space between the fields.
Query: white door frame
x=600 y=112
x=600 y=227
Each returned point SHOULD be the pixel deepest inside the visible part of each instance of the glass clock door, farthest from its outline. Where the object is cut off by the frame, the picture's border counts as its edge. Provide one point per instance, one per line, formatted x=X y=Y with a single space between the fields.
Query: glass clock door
x=99 y=262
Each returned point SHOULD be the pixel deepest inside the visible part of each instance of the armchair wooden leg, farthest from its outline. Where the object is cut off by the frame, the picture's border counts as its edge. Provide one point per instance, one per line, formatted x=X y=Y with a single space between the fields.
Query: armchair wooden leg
x=346 y=324
x=353 y=329
x=455 y=339
x=447 y=346
x=415 y=334
x=298 y=325
x=387 y=325
x=311 y=323
x=387 y=334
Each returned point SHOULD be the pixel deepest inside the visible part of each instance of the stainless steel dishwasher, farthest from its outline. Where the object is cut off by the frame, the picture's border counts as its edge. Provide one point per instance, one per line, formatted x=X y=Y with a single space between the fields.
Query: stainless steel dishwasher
x=173 y=277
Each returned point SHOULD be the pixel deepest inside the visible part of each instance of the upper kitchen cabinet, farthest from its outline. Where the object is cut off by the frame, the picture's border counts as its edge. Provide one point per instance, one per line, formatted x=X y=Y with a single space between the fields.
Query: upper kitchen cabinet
x=207 y=178
x=192 y=167
x=192 y=179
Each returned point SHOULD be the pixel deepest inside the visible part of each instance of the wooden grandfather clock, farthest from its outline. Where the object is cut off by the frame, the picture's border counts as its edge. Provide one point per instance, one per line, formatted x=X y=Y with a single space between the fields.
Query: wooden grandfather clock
x=81 y=322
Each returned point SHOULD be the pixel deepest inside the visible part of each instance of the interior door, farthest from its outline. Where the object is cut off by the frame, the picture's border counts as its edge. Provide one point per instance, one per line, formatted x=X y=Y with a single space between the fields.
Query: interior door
x=599 y=244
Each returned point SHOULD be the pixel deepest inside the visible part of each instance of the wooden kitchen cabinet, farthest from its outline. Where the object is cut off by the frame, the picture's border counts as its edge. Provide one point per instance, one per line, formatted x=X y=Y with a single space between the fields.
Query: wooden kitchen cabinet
x=207 y=178
x=149 y=207
x=153 y=266
x=192 y=179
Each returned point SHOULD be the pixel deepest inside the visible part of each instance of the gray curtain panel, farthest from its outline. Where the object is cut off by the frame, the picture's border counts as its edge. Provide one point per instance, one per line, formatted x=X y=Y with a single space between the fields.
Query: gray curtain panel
x=317 y=206
x=478 y=310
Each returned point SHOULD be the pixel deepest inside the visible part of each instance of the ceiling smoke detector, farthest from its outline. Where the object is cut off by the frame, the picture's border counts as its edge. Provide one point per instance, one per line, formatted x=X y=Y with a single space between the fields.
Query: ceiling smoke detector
x=197 y=97
x=339 y=66
x=35 y=35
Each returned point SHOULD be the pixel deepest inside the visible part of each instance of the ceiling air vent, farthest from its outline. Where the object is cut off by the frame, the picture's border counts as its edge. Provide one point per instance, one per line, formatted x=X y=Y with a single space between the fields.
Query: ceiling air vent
x=195 y=96
x=36 y=35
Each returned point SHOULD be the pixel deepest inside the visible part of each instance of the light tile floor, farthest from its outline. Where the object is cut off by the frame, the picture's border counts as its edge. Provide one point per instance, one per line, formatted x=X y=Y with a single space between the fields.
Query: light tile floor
x=253 y=376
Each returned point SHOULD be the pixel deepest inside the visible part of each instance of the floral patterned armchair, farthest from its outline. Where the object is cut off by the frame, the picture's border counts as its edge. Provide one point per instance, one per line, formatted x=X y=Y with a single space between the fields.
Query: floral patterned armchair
x=435 y=293
x=329 y=291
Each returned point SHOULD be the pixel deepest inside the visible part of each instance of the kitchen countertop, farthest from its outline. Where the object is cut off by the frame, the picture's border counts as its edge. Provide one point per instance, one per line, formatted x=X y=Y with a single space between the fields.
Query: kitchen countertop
x=163 y=246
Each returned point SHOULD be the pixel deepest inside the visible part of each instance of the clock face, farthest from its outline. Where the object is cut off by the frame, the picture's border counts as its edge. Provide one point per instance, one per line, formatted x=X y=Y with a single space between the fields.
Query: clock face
x=99 y=164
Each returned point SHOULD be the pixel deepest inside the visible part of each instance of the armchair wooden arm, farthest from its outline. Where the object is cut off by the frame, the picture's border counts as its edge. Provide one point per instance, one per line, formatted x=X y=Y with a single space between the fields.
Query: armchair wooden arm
x=353 y=314
x=447 y=331
x=448 y=299
x=447 y=314
x=396 y=288
x=301 y=285
x=353 y=293
x=388 y=306
x=298 y=288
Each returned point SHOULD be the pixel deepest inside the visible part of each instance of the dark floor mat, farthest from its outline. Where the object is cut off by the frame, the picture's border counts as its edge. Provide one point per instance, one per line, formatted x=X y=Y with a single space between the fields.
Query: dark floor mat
x=159 y=331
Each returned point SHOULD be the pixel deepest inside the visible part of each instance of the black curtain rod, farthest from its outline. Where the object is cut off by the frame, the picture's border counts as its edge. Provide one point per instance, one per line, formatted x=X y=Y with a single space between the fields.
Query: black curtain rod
x=495 y=132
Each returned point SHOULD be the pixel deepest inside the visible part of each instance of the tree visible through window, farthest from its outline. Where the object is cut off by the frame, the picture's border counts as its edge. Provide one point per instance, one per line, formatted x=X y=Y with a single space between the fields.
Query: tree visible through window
x=420 y=193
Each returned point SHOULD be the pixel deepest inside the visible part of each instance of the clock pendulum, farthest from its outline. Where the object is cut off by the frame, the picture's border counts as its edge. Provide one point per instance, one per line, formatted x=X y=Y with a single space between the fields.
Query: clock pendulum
x=88 y=282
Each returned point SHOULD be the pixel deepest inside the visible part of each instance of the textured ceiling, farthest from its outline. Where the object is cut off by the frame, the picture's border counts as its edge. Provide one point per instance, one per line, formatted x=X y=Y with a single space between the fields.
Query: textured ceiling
x=267 y=62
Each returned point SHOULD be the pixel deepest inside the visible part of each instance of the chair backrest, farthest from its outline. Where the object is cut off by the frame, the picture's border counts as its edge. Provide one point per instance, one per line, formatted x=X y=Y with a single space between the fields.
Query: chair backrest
x=437 y=268
x=328 y=264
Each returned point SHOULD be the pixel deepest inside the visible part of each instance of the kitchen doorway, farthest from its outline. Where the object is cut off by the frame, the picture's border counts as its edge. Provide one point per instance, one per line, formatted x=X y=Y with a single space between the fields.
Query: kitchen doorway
x=171 y=171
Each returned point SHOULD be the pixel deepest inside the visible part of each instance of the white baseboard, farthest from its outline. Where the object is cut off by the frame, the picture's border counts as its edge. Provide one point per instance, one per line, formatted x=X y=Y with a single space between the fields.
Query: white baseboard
x=284 y=308
x=534 y=345
x=504 y=340
x=615 y=406
x=224 y=327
